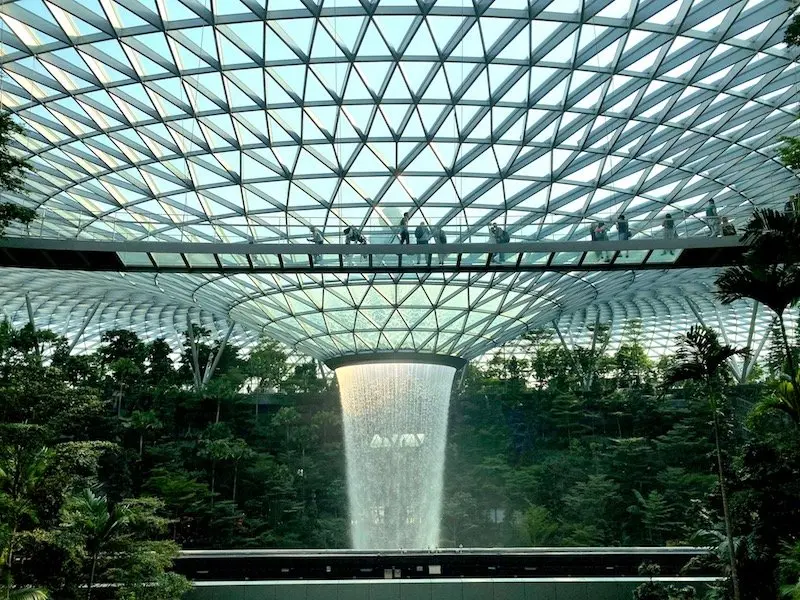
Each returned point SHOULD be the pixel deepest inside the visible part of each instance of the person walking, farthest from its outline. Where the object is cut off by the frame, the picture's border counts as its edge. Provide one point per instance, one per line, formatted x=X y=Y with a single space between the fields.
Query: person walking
x=422 y=235
x=623 y=232
x=316 y=238
x=712 y=218
x=668 y=228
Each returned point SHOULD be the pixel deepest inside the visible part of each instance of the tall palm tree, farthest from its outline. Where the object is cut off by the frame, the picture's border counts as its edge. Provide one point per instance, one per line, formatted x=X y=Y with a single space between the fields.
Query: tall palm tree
x=702 y=359
x=776 y=286
x=98 y=521
x=773 y=236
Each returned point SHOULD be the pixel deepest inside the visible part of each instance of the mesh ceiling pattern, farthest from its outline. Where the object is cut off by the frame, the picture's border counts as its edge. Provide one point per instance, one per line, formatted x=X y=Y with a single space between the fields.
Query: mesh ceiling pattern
x=327 y=315
x=248 y=121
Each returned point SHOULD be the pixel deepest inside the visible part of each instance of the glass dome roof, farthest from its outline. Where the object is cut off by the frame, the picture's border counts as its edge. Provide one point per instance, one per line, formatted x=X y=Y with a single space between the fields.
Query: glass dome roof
x=239 y=120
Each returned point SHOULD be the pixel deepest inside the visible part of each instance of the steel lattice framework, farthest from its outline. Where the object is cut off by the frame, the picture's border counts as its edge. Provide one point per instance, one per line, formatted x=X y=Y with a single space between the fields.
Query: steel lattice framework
x=245 y=120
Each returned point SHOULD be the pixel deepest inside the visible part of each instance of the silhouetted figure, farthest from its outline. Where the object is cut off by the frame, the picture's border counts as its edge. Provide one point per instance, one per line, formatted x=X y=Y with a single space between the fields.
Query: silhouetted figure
x=668 y=228
x=712 y=219
x=404 y=237
x=353 y=235
x=316 y=238
x=441 y=238
x=500 y=236
x=422 y=234
x=601 y=235
x=728 y=228
x=623 y=232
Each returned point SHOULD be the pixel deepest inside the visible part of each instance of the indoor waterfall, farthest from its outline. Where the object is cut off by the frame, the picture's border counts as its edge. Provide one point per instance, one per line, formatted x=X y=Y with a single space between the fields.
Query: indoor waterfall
x=395 y=424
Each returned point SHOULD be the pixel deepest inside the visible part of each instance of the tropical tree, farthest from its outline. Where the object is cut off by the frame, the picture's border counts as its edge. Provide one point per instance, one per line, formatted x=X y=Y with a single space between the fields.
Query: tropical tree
x=21 y=470
x=776 y=286
x=118 y=543
x=142 y=421
x=701 y=358
x=96 y=522
x=12 y=174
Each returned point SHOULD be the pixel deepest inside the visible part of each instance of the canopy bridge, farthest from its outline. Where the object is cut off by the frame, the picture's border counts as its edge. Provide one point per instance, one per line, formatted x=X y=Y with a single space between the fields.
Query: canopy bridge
x=194 y=257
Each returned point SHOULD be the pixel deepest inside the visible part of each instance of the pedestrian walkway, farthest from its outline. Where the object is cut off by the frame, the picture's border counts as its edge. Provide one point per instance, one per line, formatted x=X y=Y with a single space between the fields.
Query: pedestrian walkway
x=188 y=257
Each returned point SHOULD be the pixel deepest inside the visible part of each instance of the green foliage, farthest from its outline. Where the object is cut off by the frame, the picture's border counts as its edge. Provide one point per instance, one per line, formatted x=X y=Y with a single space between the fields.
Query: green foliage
x=12 y=173
x=654 y=590
x=124 y=458
x=790 y=571
x=540 y=526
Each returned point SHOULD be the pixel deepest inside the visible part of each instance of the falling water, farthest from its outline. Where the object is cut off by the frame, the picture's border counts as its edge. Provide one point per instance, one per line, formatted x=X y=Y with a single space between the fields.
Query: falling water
x=395 y=424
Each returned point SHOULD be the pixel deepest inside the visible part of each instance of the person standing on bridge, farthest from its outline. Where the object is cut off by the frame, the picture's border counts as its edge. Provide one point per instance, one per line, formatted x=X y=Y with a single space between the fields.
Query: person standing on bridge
x=601 y=235
x=404 y=237
x=712 y=218
x=422 y=234
x=623 y=233
x=500 y=236
x=352 y=235
x=316 y=238
x=728 y=228
x=668 y=227
x=441 y=238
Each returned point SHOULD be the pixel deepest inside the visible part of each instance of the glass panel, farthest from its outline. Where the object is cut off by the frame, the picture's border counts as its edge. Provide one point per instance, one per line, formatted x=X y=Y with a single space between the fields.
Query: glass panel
x=598 y=257
x=632 y=257
x=535 y=258
x=201 y=260
x=356 y=259
x=265 y=260
x=295 y=260
x=233 y=260
x=664 y=256
x=505 y=258
x=327 y=260
x=135 y=259
x=475 y=259
x=168 y=259
x=566 y=258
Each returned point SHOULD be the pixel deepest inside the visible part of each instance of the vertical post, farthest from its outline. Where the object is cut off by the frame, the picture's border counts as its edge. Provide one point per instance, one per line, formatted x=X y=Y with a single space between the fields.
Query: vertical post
x=748 y=361
x=195 y=360
x=33 y=326
x=738 y=374
x=210 y=370
x=568 y=349
x=83 y=327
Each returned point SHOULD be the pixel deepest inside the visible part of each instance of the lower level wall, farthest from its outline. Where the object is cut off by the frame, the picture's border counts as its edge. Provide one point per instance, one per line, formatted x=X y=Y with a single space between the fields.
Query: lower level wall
x=431 y=589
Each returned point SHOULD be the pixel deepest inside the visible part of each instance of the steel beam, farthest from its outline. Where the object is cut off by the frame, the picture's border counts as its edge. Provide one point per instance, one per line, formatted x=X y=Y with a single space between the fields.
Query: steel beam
x=83 y=327
x=210 y=370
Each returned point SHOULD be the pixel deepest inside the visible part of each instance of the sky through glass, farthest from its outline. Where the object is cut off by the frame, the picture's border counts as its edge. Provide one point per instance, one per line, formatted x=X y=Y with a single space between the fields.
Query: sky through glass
x=245 y=120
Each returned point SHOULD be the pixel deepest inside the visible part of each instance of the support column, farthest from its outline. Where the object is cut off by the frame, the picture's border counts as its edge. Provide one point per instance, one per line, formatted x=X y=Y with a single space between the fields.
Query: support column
x=195 y=359
x=575 y=363
x=210 y=370
x=33 y=326
x=737 y=373
x=751 y=361
x=83 y=327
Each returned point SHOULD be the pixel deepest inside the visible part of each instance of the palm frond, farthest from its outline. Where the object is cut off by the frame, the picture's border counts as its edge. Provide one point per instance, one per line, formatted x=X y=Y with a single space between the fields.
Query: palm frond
x=28 y=593
x=700 y=356
x=774 y=286
x=773 y=236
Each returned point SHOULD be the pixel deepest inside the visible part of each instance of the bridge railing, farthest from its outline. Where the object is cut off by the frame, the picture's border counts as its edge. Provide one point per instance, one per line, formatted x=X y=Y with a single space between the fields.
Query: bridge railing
x=51 y=224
